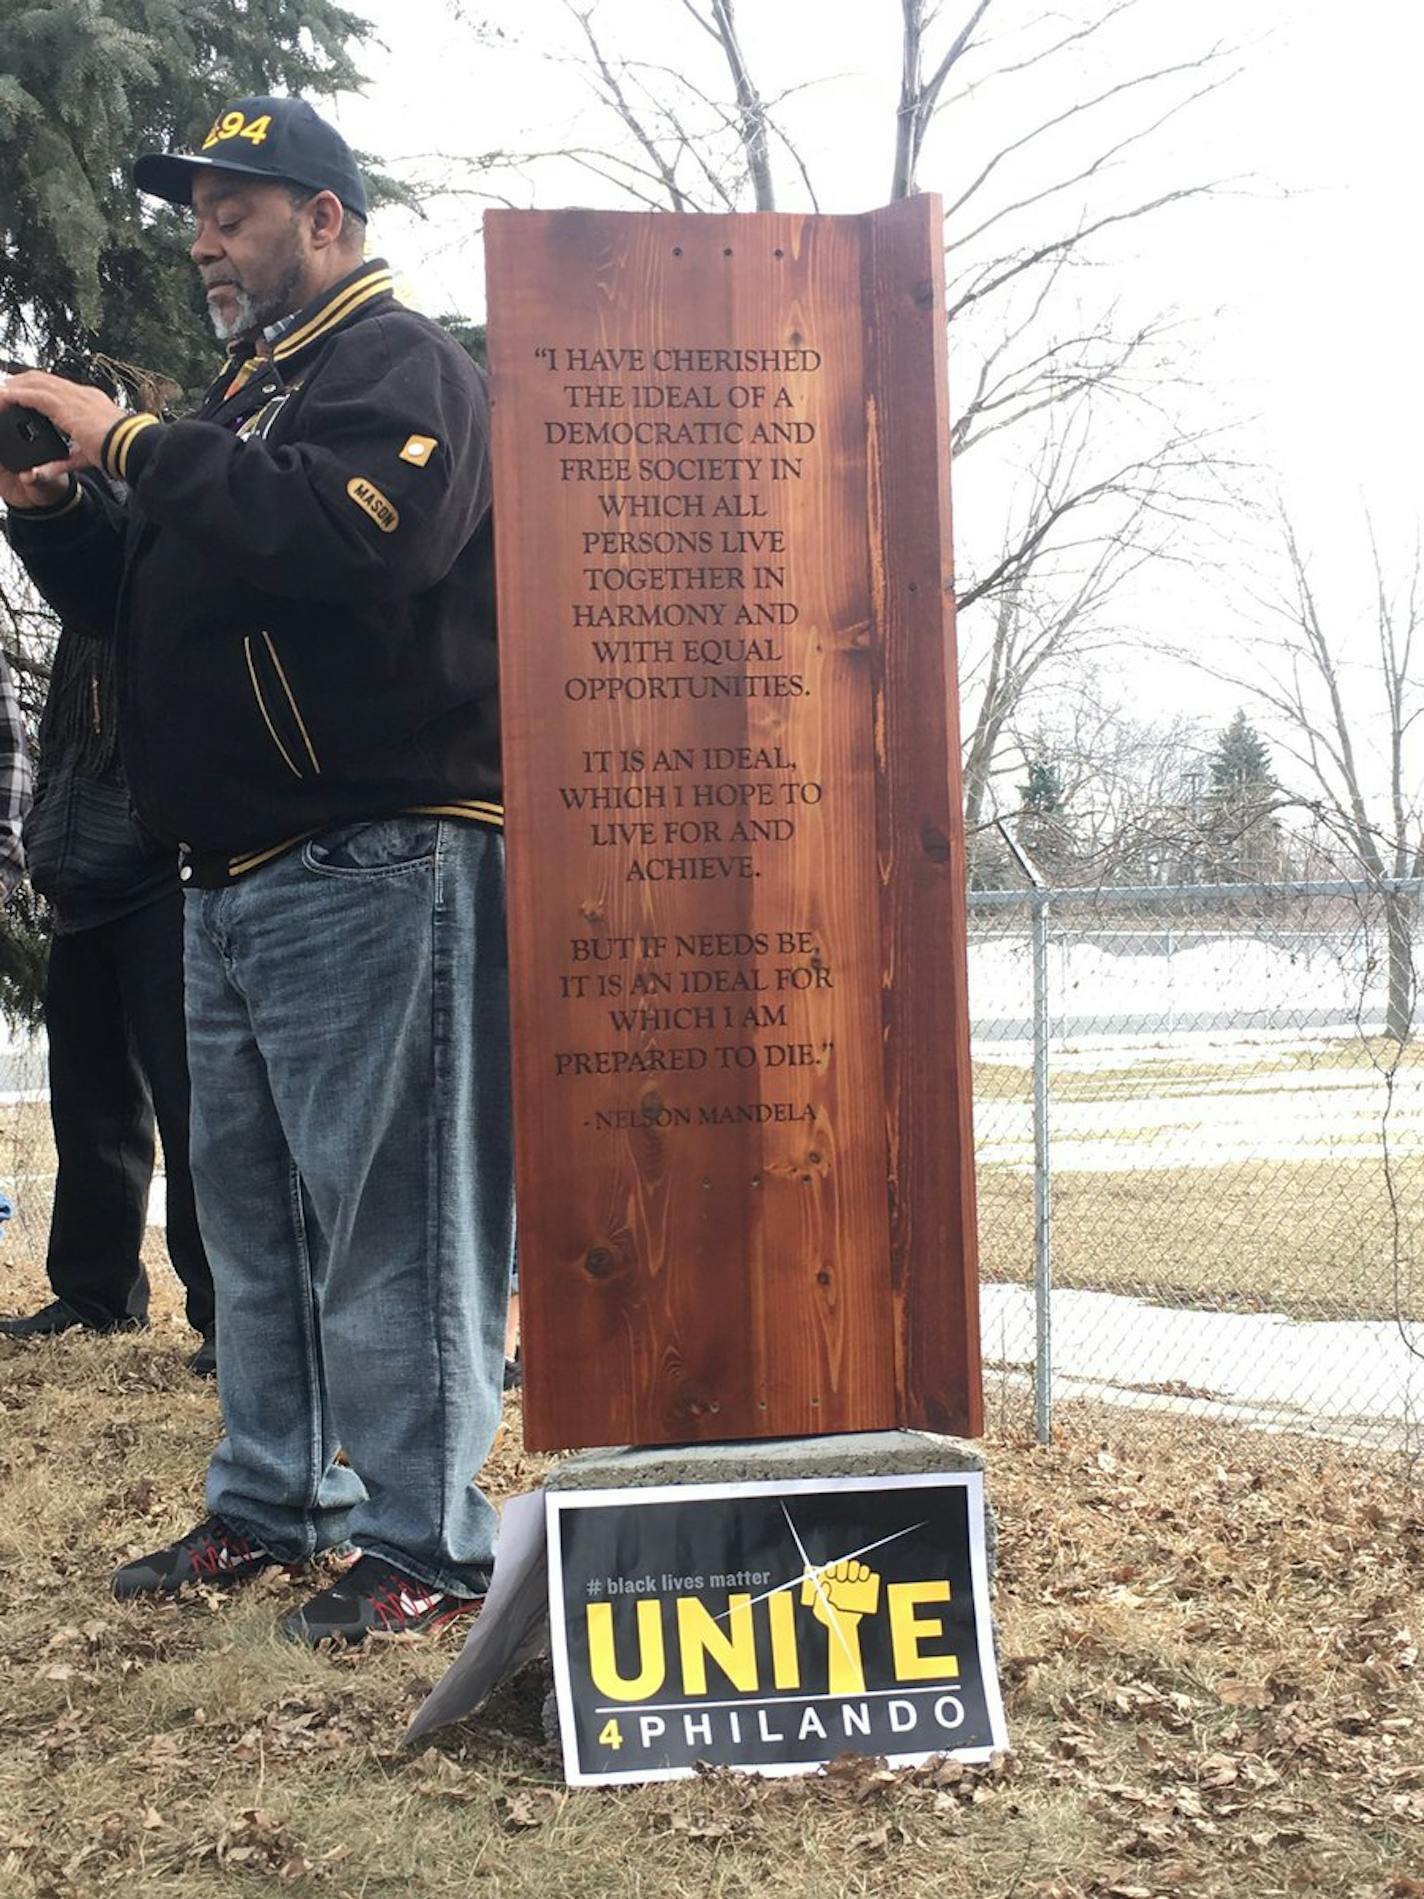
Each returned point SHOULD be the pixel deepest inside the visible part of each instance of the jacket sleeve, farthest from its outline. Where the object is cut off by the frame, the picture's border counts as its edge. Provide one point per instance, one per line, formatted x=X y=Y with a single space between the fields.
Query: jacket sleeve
x=15 y=783
x=376 y=500
x=74 y=553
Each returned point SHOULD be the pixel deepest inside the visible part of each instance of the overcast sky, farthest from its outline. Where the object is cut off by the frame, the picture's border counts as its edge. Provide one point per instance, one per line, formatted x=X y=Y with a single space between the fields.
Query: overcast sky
x=1307 y=304
x=1298 y=286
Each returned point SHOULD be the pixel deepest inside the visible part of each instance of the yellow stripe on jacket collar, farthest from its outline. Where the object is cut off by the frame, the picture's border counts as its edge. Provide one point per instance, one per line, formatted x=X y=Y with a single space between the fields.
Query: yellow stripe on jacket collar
x=376 y=283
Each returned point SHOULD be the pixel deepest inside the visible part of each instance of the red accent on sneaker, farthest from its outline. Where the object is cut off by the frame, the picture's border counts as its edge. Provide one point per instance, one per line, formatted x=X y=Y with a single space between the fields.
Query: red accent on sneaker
x=221 y=1554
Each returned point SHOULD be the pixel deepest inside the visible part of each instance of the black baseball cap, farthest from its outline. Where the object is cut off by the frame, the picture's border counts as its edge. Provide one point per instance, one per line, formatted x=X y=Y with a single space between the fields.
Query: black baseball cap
x=264 y=138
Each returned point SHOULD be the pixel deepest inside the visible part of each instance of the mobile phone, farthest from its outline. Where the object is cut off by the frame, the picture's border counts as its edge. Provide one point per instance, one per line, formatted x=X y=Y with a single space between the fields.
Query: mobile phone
x=29 y=440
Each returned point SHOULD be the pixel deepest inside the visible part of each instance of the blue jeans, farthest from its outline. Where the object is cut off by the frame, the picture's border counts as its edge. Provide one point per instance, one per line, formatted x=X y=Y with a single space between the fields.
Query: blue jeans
x=348 y=1041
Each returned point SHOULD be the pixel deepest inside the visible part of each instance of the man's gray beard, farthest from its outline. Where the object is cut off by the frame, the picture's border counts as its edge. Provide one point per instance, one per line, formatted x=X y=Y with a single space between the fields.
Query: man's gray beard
x=250 y=316
x=243 y=319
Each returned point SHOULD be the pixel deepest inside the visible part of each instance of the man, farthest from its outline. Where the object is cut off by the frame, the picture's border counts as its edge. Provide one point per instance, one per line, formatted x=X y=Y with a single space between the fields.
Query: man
x=301 y=588
x=114 y=1017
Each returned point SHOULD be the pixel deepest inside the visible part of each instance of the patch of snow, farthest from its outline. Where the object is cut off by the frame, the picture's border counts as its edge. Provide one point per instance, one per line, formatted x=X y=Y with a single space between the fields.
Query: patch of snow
x=1364 y=1369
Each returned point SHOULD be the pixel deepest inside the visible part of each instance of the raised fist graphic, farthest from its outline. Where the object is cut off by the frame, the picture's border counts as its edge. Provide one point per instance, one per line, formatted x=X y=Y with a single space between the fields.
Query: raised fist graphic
x=839 y=1594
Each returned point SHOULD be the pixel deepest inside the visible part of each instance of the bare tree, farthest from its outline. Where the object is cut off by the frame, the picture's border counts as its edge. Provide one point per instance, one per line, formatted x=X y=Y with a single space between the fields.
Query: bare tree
x=1330 y=713
x=1131 y=784
x=1057 y=589
x=677 y=145
x=920 y=96
x=1128 y=785
x=1042 y=121
x=752 y=127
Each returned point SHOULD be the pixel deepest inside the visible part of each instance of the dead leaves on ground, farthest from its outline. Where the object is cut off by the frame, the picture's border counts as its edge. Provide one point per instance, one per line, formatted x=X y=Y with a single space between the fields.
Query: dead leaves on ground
x=532 y=1808
x=440 y=1776
x=875 y=1810
x=1243 y=1634
x=302 y=1724
x=1212 y=1665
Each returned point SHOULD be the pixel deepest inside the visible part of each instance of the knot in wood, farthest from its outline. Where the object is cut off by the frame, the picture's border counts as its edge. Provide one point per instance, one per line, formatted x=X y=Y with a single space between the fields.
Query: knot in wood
x=934 y=843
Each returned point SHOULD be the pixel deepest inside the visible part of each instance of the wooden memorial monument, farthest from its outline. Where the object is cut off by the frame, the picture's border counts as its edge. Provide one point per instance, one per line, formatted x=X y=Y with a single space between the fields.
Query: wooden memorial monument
x=737 y=926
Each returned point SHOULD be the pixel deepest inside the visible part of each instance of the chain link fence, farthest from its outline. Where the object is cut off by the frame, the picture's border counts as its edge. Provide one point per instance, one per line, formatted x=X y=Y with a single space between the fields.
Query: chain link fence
x=1200 y=1128
x=1201 y=1155
x=27 y=1168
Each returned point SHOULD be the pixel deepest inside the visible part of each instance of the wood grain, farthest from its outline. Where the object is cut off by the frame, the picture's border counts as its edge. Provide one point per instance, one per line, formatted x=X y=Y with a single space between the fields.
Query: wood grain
x=734 y=1217
x=928 y=1085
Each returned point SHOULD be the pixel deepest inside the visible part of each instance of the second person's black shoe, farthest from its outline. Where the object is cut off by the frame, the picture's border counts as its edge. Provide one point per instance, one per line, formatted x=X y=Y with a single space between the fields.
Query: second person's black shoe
x=58 y=1317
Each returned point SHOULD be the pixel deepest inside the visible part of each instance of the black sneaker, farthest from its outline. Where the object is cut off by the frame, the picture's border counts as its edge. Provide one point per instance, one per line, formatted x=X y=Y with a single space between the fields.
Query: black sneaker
x=214 y=1554
x=375 y=1598
x=204 y=1362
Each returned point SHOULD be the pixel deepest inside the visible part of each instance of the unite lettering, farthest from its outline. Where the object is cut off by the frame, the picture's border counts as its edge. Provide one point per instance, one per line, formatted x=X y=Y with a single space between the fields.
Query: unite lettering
x=822 y=1625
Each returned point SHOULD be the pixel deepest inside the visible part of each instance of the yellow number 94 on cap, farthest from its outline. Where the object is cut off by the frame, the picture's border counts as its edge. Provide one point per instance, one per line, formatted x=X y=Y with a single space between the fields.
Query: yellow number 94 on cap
x=234 y=125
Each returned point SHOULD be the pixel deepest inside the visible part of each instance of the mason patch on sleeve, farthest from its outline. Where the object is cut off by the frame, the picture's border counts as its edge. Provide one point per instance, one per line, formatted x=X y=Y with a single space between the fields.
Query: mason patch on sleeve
x=370 y=500
x=419 y=449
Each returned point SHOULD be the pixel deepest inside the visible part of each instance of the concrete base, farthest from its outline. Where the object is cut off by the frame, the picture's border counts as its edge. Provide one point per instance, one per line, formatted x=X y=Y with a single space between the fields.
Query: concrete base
x=844 y=1454
x=872 y=1453
x=839 y=1454
x=513 y=1626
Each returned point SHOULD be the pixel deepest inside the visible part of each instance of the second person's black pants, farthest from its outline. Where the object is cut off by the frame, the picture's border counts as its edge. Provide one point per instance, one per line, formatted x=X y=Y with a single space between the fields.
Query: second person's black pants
x=117 y=1061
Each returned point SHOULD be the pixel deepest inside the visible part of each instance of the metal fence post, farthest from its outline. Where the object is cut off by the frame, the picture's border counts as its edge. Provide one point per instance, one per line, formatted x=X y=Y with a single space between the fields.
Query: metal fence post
x=1171 y=993
x=1248 y=1235
x=1042 y=1176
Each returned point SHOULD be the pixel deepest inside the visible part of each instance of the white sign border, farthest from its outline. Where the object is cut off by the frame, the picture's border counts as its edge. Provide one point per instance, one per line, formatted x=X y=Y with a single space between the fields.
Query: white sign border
x=971 y=1481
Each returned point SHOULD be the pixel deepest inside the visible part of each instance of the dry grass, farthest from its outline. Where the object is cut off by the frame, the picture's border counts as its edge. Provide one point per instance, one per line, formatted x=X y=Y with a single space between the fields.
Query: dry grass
x=1166 y=1071
x=1331 y=1234
x=1211 y=1663
x=1211 y=1646
x=1315 y=1239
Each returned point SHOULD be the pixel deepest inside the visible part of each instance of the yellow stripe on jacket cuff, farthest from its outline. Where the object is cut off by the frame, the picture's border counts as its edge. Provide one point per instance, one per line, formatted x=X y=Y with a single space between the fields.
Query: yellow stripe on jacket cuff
x=72 y=500
x=120 y=440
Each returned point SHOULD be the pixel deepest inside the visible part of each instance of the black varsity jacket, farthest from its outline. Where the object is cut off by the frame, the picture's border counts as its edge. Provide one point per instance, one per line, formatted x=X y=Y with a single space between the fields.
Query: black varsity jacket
x=301 y=583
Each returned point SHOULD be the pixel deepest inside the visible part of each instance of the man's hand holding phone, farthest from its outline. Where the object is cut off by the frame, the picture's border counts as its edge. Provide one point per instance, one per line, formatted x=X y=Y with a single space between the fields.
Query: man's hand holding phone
x=33 y=489
x=82 y=414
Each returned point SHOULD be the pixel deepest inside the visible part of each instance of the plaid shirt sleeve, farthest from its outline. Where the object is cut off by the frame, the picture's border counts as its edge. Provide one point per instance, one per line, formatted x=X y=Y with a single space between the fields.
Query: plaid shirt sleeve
x=15 y=783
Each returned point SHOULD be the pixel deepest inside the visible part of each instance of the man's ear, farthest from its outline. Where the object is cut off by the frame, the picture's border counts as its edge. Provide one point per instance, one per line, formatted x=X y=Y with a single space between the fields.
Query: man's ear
x=328 y=218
